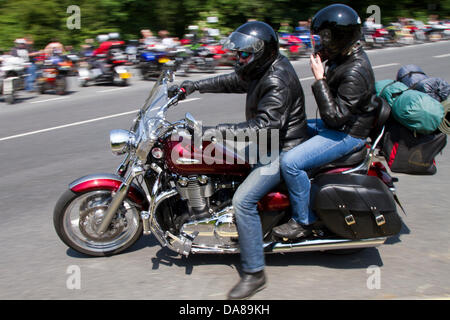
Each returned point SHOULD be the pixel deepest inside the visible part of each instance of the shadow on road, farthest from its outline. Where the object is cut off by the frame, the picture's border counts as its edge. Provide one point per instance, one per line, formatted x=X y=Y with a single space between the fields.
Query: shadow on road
x=336 y=259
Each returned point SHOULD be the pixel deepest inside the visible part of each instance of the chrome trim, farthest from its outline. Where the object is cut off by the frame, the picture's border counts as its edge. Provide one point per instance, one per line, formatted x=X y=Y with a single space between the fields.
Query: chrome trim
x=365 y=165
x=326 y=244
x=154 y=225
x=187 y=161
x=303 y=246
x=118 y=198
x=121 y=141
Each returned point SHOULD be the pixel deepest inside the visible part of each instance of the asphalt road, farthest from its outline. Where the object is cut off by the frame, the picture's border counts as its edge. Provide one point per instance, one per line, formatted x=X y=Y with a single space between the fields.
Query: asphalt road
x=47 y=141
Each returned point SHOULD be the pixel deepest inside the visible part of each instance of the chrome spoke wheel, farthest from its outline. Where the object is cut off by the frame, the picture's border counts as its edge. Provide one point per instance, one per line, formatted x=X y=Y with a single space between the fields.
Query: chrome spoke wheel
x=83 y=216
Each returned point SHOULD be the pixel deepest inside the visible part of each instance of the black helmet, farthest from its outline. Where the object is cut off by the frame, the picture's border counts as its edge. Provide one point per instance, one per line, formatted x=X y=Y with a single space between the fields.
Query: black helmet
x=339 y=28
x=258 y=39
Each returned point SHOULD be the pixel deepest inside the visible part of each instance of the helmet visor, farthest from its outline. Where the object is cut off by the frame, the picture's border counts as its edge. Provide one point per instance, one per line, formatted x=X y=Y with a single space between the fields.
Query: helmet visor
x=243 y=42
x=316 y=43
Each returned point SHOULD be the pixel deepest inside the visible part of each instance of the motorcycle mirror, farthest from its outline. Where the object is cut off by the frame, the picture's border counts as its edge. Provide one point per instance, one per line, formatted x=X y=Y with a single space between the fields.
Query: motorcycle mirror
x=191 y=122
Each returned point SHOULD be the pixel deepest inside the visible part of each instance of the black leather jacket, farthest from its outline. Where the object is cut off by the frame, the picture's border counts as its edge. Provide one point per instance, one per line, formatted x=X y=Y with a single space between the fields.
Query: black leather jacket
x=274 y=101
x=344 y=97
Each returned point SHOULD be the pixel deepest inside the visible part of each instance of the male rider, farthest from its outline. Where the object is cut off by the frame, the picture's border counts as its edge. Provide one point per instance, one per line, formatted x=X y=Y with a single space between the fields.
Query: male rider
x=275 y=101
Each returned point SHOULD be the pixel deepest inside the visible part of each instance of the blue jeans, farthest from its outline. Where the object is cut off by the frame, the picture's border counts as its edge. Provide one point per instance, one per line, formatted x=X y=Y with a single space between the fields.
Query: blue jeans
x=259 y=182
x=31 y=78
x=324 y=146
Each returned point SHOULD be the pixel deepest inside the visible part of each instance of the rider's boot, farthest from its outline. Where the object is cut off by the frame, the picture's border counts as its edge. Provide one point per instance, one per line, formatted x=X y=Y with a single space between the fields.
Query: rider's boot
x=292 y=230
x=249 y=284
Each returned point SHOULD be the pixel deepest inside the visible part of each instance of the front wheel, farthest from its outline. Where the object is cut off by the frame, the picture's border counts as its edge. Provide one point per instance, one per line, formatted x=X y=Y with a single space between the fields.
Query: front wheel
x=10 y=98
x=77 y=216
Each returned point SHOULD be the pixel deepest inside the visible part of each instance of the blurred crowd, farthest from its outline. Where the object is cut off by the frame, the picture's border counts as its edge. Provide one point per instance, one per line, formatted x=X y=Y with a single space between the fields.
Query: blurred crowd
x=105 y=58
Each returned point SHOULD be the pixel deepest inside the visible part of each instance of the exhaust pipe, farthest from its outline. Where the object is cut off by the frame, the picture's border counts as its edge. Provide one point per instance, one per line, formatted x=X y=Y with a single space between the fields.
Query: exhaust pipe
x=323 y=245
x=303 y=246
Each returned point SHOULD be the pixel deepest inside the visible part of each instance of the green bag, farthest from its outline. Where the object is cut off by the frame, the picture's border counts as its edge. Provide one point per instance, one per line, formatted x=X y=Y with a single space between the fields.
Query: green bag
x=418 y=111
x=413 y=109
x=390 y=90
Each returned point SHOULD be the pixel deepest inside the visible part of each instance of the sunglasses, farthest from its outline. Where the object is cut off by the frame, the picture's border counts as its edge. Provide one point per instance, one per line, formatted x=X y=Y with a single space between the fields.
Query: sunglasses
x=243 y=54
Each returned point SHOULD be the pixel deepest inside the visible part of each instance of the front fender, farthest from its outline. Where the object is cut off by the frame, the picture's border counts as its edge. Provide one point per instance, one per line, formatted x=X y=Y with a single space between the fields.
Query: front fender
x=111 y=182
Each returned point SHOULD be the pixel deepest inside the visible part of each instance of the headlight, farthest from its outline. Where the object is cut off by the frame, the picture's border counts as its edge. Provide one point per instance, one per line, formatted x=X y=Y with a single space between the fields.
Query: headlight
x=121 y=141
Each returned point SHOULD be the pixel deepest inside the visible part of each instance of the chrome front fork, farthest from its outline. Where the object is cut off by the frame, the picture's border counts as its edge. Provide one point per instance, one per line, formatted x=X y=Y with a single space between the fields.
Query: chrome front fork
x=118 y=198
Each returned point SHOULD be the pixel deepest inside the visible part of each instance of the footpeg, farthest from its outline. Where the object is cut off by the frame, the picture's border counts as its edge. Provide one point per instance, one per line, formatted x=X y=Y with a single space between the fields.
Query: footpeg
x=182 y=244
x=145 y=216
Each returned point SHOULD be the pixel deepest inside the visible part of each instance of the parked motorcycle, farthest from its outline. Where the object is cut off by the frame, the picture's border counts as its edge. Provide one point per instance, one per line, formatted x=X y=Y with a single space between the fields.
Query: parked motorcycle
x=166 y=187
x=195 y=58
x=376 y=36
x=108 y=68
x=12 y=77
x=53 y=75
x=151 y=63
x=292 y=46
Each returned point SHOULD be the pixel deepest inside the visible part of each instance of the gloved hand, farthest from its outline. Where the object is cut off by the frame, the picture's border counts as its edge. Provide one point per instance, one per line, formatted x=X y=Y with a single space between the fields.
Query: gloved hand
x=172 y=91
x=188 y=87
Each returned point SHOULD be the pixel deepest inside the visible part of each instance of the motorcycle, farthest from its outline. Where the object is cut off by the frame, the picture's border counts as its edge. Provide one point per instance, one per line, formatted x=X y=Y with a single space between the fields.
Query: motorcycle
x=195 y=58
x=376 y=36
x=110 y=68
x=12 y=77
x=53 y=75
x=166 y=187
x=151 y=63
x=292 y=47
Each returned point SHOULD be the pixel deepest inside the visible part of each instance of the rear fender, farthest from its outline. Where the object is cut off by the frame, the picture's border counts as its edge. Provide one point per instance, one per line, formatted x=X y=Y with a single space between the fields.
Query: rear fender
x=377 y=169
x=109 y=182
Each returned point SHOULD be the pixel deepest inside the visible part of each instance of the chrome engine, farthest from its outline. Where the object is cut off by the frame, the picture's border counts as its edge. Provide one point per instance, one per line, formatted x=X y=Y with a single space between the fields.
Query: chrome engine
x=211 y=225
x=218 y=230
x=196 y=190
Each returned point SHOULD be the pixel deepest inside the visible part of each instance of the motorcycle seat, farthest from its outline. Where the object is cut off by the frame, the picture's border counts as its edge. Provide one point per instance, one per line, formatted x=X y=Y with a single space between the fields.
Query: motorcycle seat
x=346 y=161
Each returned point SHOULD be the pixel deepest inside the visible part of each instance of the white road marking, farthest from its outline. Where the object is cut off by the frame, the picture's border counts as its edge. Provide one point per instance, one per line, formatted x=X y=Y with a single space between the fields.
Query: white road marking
x=442 y=55
x=376 y=67
x=47 y=100
x=115 y=89
x=386 y=65
x=79 y=123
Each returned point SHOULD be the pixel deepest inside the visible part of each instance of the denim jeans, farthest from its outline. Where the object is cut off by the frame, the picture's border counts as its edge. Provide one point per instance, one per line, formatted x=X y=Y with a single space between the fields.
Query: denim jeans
x=324 y=146
x=31 y=78
x=259 y=182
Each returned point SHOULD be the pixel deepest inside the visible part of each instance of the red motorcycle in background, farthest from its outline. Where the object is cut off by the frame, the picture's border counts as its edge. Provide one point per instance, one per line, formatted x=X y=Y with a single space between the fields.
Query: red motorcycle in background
x=180 y=193
x=292 y=46
x=53 y=74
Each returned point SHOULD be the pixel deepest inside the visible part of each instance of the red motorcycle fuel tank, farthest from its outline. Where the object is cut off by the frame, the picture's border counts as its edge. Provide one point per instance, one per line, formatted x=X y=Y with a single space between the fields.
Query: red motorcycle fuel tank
x=213 y=158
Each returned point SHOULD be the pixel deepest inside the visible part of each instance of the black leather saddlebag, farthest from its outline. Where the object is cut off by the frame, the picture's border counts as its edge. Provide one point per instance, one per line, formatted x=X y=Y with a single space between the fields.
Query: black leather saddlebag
x=355 y=206
x=406 y=152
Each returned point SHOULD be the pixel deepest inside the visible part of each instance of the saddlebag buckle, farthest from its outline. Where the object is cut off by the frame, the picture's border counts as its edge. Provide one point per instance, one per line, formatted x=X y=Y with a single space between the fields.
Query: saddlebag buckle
x=350 y=220
x=379 y=219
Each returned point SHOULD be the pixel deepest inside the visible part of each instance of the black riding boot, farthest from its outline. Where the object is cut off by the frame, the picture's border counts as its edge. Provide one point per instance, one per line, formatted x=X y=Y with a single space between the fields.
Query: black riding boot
x=249 y=284
x=291 y=230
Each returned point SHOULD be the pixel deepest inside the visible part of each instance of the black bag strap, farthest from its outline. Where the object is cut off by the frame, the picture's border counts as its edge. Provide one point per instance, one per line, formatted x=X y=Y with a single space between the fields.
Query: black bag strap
x=394 y=95
x=371 y=204
x=410 y=73
x=343 y=209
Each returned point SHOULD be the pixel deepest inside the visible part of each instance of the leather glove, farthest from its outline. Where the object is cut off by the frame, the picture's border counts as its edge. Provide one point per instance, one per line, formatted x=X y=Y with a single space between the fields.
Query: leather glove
x=172 y=91
x=188 y=86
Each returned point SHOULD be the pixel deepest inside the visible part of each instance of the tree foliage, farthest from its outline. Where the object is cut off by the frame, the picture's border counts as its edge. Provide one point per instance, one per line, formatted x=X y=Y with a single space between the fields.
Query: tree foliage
x=46 y=19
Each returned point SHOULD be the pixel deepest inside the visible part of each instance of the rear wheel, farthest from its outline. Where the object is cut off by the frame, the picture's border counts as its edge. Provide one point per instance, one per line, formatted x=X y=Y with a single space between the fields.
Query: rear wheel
x=61 y=85
x=10 y=98
x=77 y=217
